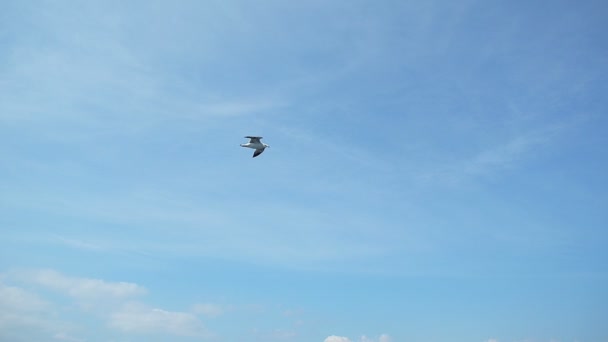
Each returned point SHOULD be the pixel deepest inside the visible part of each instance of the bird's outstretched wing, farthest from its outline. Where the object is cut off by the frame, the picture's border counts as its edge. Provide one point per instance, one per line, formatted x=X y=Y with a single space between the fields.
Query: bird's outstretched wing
x=253 y=140
x=257 y=152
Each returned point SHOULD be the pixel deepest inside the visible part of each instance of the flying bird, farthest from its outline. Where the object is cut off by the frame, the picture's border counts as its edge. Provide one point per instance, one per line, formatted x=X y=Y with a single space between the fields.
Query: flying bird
x=256 y=144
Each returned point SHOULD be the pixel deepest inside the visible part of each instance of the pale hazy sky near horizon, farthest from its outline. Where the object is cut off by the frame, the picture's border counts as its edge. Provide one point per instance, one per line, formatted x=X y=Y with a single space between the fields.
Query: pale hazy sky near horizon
x=438 y=171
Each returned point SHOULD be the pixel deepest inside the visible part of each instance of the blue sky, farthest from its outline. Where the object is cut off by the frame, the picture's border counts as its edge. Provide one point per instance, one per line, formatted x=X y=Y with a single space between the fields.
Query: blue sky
x=437 y=171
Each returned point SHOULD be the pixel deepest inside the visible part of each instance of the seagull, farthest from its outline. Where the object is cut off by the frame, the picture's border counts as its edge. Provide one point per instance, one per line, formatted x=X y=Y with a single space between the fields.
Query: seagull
x=255 y=143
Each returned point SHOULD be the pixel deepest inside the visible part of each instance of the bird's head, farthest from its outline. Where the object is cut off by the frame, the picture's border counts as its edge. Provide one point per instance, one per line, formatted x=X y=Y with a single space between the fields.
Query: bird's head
x=266 y=145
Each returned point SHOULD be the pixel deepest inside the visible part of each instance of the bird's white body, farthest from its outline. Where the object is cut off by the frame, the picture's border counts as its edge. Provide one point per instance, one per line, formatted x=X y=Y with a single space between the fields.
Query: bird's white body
x=256 y=144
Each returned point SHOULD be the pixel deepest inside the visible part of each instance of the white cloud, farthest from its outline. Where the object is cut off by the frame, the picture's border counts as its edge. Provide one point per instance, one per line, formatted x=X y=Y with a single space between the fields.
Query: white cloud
x=384 y=338
x=334 y=338
x=65 y=337
x=84 y=288
x=381 y=338
x=24 y=316
x=18 y=299
x=364 y=338
x=138 y=318
x=492 y=340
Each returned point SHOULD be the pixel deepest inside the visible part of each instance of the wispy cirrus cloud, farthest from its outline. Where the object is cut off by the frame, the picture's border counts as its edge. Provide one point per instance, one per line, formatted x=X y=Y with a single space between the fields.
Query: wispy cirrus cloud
x=496 y=157
x=78 y=243
x=203 y=231
x=58 y=84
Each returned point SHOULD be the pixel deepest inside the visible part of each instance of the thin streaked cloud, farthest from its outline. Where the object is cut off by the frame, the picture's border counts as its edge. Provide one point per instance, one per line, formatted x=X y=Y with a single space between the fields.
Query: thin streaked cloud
x=425 y=157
